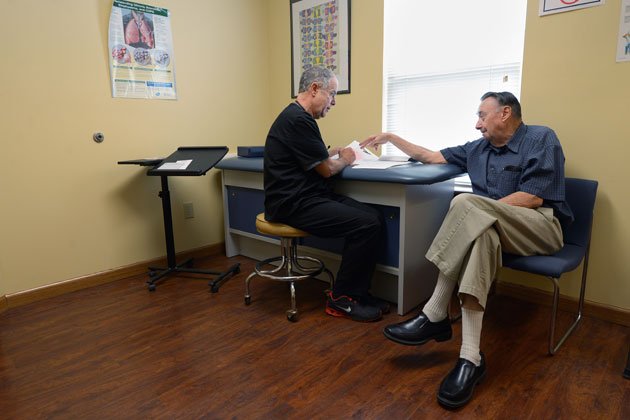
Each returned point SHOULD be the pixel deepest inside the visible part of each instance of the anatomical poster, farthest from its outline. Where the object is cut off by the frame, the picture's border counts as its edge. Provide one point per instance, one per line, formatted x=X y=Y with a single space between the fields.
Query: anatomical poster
x=141 y=52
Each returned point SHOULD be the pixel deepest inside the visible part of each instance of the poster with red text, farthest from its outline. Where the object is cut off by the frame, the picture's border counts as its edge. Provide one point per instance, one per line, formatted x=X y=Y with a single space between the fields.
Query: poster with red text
x=548 y=7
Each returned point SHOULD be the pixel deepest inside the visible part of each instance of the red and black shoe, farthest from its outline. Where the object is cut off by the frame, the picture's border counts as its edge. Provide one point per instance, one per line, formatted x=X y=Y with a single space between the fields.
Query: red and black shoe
x=345 y=306
x=370 y=300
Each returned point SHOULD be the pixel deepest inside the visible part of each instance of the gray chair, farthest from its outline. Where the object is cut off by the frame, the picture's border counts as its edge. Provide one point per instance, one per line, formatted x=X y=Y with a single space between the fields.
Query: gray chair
x=580 y=194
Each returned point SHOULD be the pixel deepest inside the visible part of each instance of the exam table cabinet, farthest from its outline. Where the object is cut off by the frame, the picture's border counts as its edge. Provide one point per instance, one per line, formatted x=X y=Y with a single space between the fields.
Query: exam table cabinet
x=245 y=203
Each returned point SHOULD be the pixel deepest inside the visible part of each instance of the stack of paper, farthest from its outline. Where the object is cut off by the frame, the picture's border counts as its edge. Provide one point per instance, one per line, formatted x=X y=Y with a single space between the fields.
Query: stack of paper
x=368 y=160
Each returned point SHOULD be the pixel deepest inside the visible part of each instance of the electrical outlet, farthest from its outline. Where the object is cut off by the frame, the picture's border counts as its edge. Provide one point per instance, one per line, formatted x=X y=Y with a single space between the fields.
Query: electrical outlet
x=189 y=211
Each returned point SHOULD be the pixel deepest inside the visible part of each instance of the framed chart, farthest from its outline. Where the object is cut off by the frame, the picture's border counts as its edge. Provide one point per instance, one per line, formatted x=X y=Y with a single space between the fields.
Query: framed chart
x=320 y=36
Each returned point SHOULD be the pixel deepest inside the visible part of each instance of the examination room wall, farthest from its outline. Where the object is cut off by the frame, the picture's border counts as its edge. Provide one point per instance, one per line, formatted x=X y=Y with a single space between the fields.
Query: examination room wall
x=68 y=210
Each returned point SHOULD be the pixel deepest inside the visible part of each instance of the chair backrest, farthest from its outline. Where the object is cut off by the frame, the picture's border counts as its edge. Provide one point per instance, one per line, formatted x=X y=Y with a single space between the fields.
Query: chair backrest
x=580 y=194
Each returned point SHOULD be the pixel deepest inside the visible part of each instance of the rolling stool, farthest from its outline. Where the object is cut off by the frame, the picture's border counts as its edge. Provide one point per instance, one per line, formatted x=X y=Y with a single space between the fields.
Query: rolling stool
x=290 y=270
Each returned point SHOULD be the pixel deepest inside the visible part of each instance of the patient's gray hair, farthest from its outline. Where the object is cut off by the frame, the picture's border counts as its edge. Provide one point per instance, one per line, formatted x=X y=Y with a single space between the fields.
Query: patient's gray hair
x=319 y=75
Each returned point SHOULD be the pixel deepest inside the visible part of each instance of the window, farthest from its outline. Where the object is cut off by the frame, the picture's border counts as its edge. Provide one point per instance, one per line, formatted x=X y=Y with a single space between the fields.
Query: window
x=439 y=58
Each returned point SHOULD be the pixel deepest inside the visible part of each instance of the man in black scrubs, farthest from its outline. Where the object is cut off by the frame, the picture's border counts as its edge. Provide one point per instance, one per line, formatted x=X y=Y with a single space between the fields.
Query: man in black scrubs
x=298 y=192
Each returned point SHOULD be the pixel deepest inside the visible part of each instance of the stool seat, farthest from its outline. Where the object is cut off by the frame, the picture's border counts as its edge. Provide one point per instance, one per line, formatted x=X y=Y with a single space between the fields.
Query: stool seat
x=277 y=229
x=289 y=266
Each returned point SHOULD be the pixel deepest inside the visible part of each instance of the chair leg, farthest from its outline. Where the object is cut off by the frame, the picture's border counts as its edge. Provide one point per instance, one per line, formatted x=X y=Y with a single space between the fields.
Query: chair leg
x=331 y=278
x=553 y=347
x=248 y=297
x=292 y=314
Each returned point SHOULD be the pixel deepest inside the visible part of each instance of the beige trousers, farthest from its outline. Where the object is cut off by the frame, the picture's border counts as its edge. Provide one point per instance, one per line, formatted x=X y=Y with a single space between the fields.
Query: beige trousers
x=476 y=229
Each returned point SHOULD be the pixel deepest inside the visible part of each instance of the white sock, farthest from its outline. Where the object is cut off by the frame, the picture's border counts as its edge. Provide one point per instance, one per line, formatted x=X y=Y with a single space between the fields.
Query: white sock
x=471 y=335
x=436 y=309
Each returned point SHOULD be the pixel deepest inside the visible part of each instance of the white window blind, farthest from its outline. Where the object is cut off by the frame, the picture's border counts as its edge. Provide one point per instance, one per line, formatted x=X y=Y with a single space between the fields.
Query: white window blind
x=439 y=58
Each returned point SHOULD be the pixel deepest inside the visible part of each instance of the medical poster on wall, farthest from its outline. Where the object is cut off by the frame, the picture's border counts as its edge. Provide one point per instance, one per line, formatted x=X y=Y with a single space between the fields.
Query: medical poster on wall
x=320 y=36
x=623 y=41
x=548 y=7
x=141 y=52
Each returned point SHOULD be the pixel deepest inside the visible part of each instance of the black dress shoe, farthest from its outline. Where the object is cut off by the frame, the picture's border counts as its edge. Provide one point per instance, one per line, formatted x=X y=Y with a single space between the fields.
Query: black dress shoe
x=458 y=386
x=418 y=330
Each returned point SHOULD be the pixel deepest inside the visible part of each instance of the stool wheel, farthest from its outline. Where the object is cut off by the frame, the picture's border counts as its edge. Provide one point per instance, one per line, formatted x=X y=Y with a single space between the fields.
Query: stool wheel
x=292 y=315
x=248 y=300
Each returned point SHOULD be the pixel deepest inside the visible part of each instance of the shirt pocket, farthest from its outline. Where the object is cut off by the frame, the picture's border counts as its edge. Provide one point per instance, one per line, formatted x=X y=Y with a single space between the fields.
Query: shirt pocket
x=510 y=179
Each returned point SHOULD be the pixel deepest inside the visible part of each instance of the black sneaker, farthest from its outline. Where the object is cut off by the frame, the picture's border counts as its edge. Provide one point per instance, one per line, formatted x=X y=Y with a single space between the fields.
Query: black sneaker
x=370 y=300
x=344 y=306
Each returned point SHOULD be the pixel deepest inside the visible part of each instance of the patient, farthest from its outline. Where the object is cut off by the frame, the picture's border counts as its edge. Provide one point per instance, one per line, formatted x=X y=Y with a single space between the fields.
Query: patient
x=517 y=205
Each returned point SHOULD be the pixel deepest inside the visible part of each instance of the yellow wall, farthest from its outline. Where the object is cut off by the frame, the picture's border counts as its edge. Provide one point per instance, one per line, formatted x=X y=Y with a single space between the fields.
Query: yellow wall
x=68 y=209
x=572 y=83
x=74 y=212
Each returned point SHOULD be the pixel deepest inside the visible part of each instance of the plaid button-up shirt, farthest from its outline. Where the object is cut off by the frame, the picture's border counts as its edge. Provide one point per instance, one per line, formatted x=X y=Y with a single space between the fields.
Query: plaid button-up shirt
x=532 y=161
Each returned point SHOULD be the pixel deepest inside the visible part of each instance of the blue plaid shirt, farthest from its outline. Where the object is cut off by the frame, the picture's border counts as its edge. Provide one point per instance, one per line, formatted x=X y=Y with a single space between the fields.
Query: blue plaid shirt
x=532 y=162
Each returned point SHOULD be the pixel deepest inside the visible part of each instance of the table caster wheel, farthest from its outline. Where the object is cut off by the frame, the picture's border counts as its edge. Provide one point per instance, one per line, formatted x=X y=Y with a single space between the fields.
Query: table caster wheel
x=292 y=316
x=248 y=300
x=152 y=288
x=214 y=288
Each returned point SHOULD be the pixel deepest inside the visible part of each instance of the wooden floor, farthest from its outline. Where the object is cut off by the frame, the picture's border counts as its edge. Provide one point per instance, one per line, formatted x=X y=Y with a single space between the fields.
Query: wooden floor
x=118 y=351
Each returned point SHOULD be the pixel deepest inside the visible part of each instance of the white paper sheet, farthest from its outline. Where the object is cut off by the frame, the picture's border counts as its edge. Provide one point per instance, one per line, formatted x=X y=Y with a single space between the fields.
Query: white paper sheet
x=377 y=164
x=367 y=160
x=180 y=165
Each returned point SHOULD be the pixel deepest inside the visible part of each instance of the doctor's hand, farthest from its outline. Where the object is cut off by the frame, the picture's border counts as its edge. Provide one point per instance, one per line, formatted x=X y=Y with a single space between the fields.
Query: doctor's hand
x=347 y=155
x=333 y=151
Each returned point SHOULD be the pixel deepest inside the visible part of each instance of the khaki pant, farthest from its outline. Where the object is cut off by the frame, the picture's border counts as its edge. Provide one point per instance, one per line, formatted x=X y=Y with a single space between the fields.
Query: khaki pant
x=475 y=231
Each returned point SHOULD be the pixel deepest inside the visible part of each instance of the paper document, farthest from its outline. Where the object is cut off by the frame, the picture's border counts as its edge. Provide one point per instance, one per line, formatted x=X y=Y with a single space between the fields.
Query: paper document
x=179 y=165
x=377 y=164
x=368 y=160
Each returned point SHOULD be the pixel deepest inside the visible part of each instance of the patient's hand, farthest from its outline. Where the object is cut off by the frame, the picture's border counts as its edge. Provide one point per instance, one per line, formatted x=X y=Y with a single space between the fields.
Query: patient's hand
x=375 y=140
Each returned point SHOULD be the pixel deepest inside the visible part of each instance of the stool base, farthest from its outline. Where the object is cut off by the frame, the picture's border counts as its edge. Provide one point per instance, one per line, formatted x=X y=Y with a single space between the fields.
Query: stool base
x=290 y=269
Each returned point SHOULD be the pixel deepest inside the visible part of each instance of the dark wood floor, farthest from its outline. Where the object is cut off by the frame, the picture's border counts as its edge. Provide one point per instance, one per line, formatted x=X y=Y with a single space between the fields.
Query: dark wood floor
x=118 y=351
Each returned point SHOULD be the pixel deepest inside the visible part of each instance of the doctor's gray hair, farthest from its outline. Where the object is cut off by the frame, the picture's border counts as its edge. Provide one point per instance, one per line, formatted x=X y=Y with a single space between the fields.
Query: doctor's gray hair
x=316 y=74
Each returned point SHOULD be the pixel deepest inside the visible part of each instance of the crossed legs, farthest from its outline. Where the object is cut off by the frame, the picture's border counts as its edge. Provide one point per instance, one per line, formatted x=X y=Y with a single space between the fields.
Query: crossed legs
x=467 y=251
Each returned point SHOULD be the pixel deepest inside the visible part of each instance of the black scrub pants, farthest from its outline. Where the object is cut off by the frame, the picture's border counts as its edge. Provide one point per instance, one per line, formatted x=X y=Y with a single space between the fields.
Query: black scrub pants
x=362 y=226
